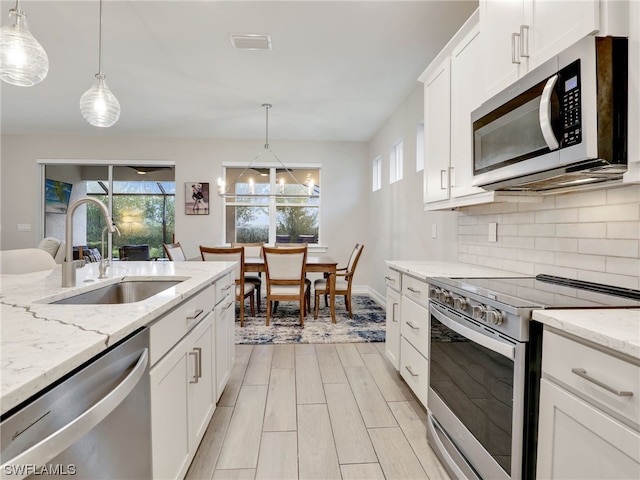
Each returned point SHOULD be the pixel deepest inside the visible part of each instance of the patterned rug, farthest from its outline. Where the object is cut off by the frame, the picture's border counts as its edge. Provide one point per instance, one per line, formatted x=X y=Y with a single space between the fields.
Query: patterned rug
x=367 y=325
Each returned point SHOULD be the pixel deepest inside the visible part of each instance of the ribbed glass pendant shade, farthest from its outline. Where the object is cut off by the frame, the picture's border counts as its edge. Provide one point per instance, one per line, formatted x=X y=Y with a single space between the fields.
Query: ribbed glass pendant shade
x=23 y=61
x=98 y=105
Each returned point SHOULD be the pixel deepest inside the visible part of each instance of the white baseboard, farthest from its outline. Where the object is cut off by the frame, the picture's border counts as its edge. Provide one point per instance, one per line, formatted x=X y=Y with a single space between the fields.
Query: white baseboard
x=366 y=290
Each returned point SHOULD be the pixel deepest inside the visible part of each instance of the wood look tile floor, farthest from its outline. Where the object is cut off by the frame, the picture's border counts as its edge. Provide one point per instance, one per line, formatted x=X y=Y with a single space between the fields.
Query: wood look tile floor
x=325 y=411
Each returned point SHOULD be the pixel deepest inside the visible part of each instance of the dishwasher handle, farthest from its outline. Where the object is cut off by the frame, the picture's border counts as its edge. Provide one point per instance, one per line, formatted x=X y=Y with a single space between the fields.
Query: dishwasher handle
x=56 y=443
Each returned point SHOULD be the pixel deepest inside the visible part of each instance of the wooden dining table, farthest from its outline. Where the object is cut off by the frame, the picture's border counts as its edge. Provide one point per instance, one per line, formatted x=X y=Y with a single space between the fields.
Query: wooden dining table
x=319 y=264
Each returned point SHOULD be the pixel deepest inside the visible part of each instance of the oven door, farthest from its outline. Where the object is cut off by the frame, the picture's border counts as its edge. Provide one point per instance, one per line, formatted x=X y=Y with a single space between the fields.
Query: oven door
x=475 y=399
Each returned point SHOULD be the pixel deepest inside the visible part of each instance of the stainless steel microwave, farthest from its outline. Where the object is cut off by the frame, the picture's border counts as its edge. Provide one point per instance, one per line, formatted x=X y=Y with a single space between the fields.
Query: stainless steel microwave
x=563 y=124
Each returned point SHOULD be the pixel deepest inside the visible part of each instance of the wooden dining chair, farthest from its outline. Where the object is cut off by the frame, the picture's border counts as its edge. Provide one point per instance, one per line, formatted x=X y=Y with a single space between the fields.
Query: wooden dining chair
x=307 y=281
x=253 y=250
x=344 y=279
x=230 y=254
x=174 y=252
x=285 y=277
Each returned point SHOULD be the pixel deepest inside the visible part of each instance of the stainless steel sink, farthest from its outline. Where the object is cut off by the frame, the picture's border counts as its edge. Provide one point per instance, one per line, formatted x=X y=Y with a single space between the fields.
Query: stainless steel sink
x=127 y=291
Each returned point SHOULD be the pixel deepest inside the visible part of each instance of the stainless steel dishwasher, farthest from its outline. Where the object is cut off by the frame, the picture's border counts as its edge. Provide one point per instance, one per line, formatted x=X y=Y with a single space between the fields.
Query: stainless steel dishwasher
x=93 y=424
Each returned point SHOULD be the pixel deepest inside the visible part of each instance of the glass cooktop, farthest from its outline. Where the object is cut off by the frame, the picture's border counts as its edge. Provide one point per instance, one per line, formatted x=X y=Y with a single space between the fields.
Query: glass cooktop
x=546 y=291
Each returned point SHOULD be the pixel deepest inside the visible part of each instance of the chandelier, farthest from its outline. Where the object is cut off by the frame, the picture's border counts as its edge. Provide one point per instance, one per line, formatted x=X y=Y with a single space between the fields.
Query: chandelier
x=294 y=189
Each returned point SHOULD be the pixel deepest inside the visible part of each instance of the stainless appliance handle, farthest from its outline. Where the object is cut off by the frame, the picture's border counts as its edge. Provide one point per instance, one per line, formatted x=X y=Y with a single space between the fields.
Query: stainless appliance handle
x=503 y=349
x=50 y=447
x=581 y=372
x=545 y=114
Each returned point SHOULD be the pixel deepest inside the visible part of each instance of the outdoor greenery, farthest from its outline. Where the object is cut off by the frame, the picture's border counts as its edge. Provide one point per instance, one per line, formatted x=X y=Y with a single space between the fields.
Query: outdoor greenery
x=140 y=218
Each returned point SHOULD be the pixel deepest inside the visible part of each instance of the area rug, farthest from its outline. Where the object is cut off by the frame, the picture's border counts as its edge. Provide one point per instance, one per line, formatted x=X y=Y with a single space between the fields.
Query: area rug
x=367 y=325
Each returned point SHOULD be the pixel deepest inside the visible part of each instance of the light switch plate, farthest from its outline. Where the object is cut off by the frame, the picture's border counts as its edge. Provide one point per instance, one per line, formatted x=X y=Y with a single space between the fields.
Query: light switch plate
x=434 y=230
x=24 y=227
x=493 y=232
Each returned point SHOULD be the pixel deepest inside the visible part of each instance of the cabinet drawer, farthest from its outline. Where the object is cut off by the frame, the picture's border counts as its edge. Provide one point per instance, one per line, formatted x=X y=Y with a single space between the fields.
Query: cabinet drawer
x=393 y=279
x=168 y=330
x=414 y=325
x=414 y=369
x=591 y=373
x=415 y=289
x=224 y=286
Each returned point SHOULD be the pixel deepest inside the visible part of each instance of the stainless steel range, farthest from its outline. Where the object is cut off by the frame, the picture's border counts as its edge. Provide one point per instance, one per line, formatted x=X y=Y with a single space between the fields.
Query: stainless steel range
x=484 y=367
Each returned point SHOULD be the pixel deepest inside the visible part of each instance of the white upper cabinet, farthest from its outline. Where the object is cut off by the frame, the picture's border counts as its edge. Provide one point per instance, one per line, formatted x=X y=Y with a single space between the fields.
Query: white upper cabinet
x=437 y=132
x=467 y=94
x=520 y=35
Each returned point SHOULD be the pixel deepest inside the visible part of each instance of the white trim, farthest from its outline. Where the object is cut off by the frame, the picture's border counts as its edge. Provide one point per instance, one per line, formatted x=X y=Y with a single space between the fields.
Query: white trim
x=95 y=162
x=261 y=164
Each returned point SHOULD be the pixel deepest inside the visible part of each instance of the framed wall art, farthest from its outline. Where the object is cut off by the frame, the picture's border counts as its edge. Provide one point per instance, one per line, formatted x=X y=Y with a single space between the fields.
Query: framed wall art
x=56 y=196
x=196 y=198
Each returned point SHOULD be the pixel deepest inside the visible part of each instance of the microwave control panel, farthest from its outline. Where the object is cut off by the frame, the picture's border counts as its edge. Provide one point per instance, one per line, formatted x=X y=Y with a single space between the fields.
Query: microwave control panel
x=570 y=103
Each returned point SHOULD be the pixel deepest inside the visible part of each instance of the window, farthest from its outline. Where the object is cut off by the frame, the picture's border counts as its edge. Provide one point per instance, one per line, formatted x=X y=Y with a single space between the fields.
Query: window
x=420 y=147
x=395 y=158
x=272 y=204
x=377 y=173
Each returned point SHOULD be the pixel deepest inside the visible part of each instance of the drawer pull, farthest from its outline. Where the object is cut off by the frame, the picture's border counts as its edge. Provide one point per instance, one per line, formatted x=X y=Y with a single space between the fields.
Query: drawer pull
x=411 y=324
x=194 y=314
x=408 y=369
x=413 y=290
x=390 y=279
x=228 y=287
x=228 y=305
x=581 y=372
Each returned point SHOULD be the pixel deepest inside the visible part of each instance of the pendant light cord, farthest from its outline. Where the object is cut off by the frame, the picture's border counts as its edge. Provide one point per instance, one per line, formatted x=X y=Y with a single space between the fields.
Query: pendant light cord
x=100 y=42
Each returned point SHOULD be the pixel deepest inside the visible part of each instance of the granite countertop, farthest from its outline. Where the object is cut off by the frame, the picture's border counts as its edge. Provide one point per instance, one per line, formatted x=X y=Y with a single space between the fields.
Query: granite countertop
x=615 y=329
x=41 y=342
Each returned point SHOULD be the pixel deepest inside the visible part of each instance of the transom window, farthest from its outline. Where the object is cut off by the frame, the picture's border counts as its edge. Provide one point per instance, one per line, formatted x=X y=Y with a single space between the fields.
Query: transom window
x=272 y=204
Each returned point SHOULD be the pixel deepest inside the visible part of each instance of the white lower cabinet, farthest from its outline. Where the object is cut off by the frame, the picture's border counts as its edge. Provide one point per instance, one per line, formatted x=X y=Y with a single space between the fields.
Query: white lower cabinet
x=392 y=333
x=414 y=369
x=182 y=401
x=588 y=426
x=225 y=342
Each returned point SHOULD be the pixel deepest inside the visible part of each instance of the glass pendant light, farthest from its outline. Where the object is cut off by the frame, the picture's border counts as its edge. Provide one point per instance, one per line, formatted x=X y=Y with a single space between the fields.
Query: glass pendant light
x=98 y=105
x=23 y=61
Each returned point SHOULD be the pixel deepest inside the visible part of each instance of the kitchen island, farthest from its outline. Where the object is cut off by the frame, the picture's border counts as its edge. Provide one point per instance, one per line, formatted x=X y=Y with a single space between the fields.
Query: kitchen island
x=41 y=341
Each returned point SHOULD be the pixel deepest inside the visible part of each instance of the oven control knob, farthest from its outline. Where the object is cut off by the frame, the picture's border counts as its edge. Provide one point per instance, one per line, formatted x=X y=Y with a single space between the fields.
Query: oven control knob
x=434 y=293
x=493 y=317
x=445 y=297
x=477 y=311
x=460 y=303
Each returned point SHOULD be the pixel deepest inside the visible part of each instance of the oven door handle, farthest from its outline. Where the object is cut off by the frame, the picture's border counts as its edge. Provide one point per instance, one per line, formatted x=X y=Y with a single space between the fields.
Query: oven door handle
x=502 y=348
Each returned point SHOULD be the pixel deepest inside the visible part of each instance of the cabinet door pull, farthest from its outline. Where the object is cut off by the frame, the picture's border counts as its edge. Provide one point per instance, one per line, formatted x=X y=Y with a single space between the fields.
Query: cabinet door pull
x=194 y=314
x=195 y=375
x=408 y=369
x=524 y=41
x=443 y=182
x=413 y=290
x=514 y=48
x=581 y=372
x=393 y=312
x=412 y=325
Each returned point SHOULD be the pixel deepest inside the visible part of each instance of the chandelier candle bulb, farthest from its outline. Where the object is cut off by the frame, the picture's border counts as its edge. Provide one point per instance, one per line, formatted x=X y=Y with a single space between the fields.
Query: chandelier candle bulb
x=311 y=184
x=281 y=182
x=252 y=189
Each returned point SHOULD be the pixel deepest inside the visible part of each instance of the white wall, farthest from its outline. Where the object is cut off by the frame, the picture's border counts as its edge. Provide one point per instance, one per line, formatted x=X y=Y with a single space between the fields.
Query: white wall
x=399 y=228
x=344 y=187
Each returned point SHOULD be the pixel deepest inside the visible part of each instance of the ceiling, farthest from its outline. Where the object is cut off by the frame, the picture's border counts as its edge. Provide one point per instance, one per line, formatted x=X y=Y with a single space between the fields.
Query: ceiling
x=336 y=71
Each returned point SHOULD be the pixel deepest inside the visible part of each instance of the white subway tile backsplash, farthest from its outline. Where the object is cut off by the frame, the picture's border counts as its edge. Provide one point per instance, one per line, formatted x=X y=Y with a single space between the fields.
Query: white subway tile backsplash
x=622 y=230
x=610 y=248
x=627 y=194
x=623 y=266
x=556 y=244
x=563 y=215
x=592 y=235
x=584 y=262
x=581 y=230
x=582 y=199
x=610 y=213
x=537 y=230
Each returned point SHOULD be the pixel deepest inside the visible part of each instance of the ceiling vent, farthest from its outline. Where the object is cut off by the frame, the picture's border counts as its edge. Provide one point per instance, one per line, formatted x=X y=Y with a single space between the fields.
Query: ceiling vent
x=250 y=41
